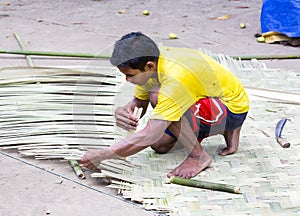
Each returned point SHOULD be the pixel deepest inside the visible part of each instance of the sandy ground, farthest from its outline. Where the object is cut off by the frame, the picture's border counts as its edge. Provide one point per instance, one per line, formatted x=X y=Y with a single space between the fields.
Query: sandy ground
x=30 y=187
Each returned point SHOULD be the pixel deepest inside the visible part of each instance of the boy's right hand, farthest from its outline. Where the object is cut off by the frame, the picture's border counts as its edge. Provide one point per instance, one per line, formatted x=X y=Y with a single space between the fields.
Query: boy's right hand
x=125 y=119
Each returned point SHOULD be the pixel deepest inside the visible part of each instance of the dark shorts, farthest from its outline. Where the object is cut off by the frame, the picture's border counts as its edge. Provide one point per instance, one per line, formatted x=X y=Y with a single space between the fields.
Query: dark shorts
x=209 y=116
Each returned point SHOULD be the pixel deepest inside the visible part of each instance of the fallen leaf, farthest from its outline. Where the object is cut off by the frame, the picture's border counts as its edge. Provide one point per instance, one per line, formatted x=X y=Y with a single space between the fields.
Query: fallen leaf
x=59 y=181
x=225 y=17
x=4 y=15
x=79 y=23
x=122 y=11
x=242 y=7
x=269 y=110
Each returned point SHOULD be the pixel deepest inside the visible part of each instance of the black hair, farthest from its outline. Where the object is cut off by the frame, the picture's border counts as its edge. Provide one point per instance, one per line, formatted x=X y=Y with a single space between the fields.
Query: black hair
x=134 y=50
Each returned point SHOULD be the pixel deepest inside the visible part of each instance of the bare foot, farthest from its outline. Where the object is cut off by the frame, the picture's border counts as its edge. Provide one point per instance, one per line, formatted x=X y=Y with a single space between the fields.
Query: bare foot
x=191 y=166
x=232 y=141
x=228 y=150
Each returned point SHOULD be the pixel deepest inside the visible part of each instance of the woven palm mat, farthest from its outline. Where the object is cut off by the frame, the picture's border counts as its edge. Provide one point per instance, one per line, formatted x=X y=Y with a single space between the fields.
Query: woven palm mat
x=267 y=174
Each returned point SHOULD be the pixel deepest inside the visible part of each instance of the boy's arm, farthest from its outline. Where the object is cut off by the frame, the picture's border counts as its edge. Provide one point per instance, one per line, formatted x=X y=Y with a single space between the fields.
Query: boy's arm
x=130 y=145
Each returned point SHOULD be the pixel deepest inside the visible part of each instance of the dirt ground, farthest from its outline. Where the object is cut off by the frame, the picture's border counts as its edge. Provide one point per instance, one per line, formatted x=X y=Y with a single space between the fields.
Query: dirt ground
x=31 y=187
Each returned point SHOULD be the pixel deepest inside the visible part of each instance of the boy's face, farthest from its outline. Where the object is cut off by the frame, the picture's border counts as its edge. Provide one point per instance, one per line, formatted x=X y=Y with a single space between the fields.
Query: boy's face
x=136 y=76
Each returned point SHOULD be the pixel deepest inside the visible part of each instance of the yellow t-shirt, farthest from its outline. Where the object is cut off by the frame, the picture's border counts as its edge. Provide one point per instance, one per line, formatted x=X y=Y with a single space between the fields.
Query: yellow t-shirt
x=187 y=75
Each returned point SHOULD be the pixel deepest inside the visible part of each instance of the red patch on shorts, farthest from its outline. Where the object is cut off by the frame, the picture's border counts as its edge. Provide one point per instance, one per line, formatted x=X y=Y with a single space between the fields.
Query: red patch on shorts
x=210 y=111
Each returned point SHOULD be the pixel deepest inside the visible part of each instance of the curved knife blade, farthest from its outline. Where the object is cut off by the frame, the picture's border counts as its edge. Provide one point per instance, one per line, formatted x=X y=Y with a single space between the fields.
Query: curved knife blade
x=279 y=127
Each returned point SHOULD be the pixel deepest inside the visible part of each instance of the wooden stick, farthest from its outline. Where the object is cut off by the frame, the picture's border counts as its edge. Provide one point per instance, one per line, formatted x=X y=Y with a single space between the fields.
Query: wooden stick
x=22 y=46
x=205 y=185
x=137 y=113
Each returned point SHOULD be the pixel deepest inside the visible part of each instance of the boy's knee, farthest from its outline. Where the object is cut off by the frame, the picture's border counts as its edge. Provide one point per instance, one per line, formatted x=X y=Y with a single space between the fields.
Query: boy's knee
x=164 y=145
x=160 y=149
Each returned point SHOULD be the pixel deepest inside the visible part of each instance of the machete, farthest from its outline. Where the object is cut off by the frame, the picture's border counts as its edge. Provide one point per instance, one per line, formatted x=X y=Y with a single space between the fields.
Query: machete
x=279 y=127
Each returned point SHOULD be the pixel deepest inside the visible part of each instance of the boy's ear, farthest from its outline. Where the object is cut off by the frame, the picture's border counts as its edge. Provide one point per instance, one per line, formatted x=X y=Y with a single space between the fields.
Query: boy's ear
x=150 y=65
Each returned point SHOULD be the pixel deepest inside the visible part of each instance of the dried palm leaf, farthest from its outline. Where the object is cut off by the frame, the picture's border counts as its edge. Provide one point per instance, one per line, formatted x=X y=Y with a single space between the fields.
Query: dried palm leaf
x=55 y=112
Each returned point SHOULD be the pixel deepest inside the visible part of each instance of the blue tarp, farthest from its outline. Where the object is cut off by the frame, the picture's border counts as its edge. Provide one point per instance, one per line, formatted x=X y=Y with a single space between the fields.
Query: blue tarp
x=281 y=16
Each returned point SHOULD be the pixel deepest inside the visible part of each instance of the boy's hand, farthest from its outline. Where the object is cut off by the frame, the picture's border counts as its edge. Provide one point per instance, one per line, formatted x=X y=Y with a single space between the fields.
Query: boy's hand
x=125 y=119
x=91 y=159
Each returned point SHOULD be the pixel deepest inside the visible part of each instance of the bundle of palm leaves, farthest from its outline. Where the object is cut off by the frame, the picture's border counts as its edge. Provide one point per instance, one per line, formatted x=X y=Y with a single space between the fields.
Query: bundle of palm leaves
x=57 y=112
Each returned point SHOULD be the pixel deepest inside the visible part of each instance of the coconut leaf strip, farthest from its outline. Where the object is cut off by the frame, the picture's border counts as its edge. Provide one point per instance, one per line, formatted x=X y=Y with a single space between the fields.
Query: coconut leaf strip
x=111 y=168
x=52 y=157
x=54 y=140
x=71 y=89
x=127 y=178
x=72 y=134
x=31 y=131
x=60 y=146
x=116 y=164
x=14 y=72
x=34 y=98
x=58 y=79
x=86 y=108
x=100 y=74
x=101 y=130
x=56 y=116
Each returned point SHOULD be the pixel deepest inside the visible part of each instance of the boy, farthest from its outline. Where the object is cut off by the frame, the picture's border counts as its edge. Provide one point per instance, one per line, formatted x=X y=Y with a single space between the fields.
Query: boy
x=193 y=96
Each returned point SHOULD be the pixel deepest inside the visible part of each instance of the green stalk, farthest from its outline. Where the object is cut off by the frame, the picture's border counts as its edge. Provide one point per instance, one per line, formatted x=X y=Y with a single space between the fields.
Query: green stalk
x=267 y=57
x=77 y=169
x=22 y=46
x=92 y=55
x=205 y=185
x=57 y=54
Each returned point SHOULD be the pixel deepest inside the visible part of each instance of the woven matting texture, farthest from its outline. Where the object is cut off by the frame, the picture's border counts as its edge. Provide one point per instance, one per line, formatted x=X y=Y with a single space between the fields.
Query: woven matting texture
x=267 y=174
